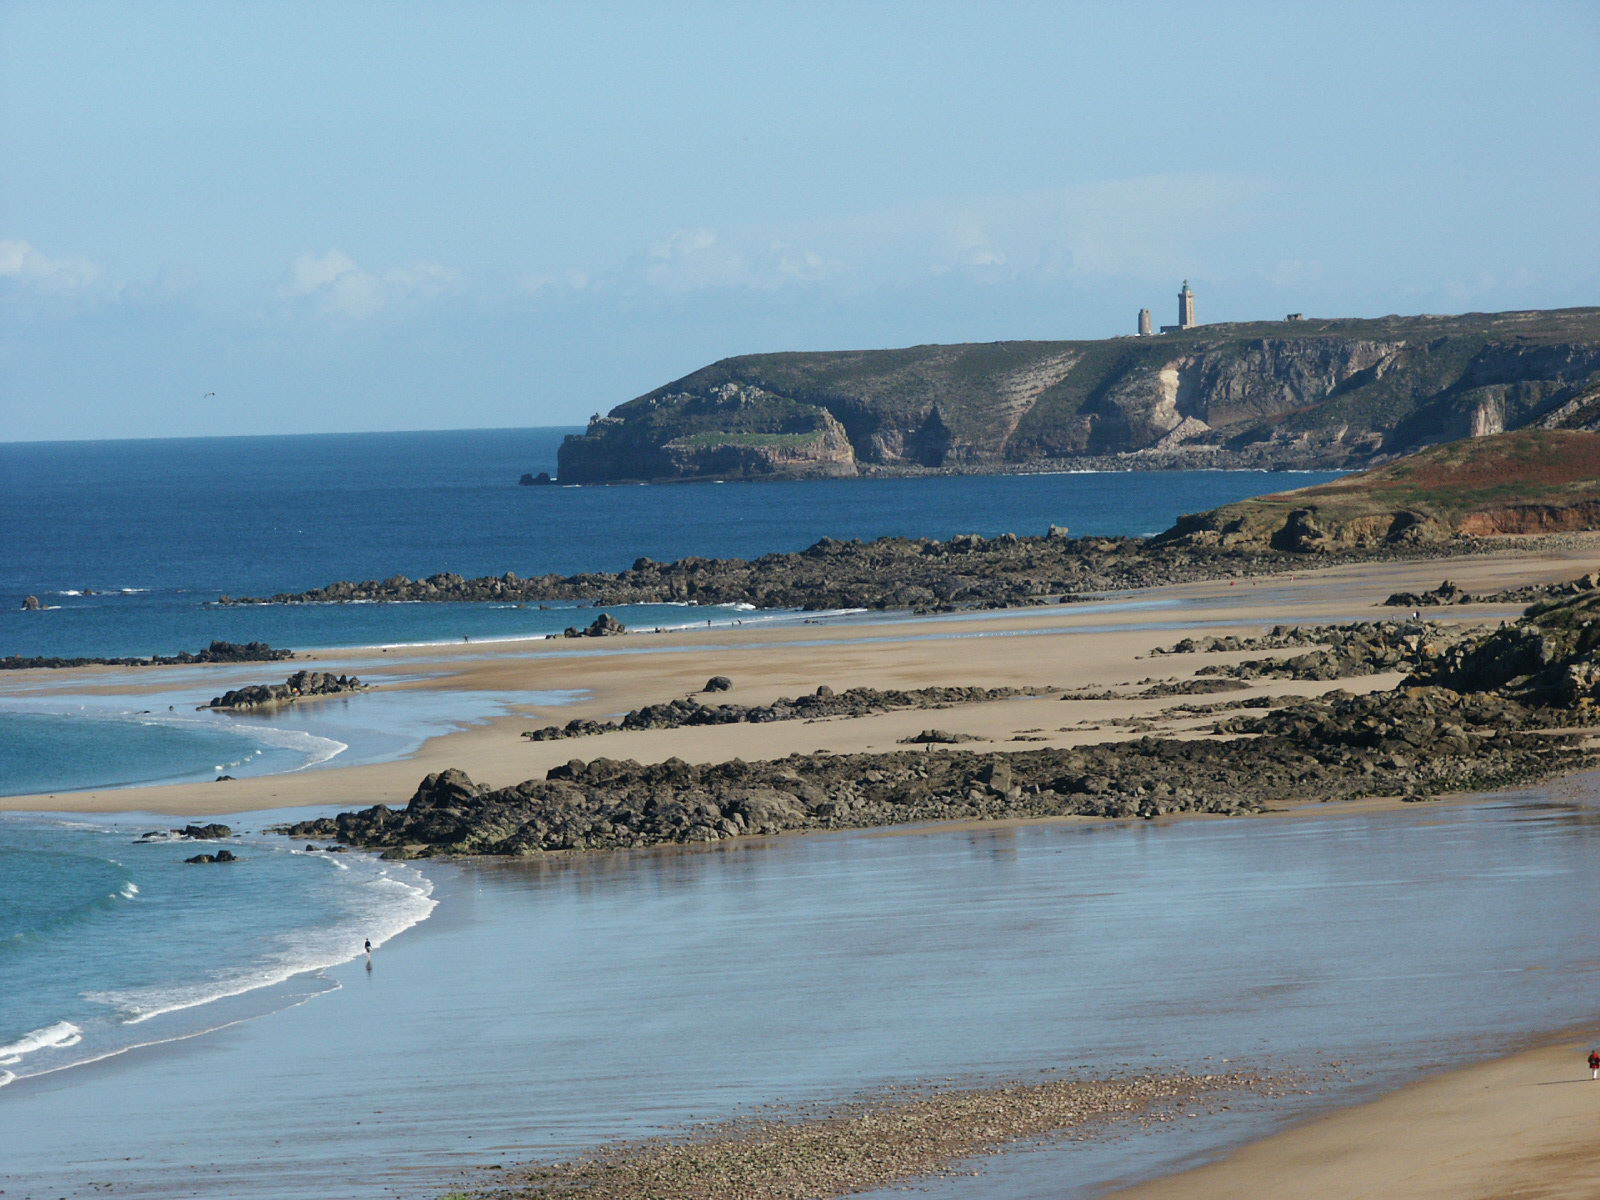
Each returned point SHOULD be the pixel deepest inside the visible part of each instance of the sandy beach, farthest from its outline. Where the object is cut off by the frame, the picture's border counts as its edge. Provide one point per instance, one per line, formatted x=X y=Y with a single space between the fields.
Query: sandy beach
x=1516 y=1126
x=1095 y=646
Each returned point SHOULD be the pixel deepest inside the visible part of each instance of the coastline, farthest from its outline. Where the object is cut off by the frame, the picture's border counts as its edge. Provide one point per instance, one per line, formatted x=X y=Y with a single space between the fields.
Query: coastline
x=1083 y=645
x=1520 y=1125
x=1086 y=645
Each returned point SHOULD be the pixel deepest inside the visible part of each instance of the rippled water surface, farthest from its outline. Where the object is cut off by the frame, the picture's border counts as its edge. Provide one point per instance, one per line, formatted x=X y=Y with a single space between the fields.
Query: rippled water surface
x=548 y=1006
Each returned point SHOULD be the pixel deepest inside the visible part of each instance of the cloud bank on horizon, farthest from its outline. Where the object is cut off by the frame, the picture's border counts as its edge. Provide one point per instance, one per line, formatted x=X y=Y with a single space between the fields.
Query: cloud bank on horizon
x=361 y=217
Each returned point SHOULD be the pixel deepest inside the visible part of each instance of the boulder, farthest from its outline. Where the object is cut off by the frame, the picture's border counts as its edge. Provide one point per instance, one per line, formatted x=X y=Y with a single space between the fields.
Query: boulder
x=31 y=604
x=718 y=683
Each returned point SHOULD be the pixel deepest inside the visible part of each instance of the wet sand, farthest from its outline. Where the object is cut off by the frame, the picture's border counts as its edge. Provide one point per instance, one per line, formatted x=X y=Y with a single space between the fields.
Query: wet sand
x=1516 y=1128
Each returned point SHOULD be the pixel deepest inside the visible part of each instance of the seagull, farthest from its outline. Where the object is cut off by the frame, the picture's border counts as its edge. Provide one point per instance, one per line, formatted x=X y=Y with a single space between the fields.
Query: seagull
x=208 y=395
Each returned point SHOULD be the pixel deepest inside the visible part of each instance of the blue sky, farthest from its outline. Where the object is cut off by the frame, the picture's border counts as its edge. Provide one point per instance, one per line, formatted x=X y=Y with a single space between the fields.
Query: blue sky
x=353 y=216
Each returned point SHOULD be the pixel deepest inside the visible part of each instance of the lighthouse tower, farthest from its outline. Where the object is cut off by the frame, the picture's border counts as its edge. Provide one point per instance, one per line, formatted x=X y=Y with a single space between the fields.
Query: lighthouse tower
x=1185 y=306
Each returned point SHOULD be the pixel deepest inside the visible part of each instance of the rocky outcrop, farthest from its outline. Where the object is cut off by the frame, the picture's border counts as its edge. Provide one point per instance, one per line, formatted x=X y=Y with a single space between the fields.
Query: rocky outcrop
x=1341 y=651
x=1324 y=393
x=718 y=683
x=31 y=604
x=1550 y=657
x=221 y=856
x=1530 y=481
x=217 y=652
x=301 y=685
x=605 y=625
x=189 y=833
x=921 y=574
x=1450 y=593
x=1485 y=713
x=823 y=703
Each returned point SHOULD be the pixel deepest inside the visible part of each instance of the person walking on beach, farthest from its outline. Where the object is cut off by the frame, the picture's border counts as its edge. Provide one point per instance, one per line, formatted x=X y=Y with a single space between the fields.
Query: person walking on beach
x=1594 y=1064
x=367 y=946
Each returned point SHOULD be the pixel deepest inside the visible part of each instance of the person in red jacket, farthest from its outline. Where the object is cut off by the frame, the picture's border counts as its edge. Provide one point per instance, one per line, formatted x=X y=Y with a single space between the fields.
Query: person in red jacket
x=1594 y=1064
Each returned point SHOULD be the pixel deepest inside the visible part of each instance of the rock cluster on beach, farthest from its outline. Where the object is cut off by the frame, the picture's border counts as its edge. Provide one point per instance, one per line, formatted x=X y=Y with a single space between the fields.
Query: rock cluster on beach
x=824 y=702
x=922 y=574
x=1340 y=651
x=298 y=686
x=1448 y=593
x=605 y=625
x=1482 y=714
x=216 y=652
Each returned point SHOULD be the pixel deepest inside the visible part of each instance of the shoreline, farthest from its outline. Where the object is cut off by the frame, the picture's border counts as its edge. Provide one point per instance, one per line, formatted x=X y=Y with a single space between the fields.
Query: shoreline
x=1508 y=1126
x=1088 y=645
x=1082 y=645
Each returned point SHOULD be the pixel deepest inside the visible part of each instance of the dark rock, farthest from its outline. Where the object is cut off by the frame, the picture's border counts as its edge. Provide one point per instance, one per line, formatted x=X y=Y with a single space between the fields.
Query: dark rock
x=216 y=652
x=206 y=832
x=31 y=604
x=824 y=702
x=300 y=684
x=542 y=479
x=605 y=625
x=718 y=683
x=221 y=856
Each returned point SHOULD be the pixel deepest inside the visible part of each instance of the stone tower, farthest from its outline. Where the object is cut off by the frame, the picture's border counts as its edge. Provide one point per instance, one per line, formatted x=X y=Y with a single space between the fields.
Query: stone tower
x=1145 y=328
x=1185 y=306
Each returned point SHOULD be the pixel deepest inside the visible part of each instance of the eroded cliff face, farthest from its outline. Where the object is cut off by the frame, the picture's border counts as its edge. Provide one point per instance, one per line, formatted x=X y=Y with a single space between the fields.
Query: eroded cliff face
x=1307 y=394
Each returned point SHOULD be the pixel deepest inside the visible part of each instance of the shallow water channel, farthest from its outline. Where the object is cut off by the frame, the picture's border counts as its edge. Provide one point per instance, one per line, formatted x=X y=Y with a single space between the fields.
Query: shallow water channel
x=549 y=1006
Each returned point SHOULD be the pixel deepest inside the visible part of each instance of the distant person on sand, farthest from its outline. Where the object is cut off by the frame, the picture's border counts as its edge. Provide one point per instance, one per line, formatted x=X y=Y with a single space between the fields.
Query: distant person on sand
x=1594 y=1064
x=367 y=946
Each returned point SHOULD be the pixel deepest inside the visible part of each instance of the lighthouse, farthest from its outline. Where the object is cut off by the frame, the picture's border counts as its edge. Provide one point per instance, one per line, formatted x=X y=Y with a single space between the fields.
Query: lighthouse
x=1185 y=306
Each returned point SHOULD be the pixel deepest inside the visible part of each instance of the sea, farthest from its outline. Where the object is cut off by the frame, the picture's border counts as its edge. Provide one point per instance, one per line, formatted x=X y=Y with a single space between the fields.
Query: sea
x=626 y=994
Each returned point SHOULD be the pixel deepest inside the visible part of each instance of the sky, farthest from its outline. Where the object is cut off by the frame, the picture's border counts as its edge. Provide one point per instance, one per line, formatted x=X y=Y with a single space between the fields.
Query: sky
x=345 y=216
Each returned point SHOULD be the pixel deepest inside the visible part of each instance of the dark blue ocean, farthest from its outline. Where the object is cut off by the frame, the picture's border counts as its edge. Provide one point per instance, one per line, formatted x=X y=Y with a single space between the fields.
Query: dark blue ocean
x=155 y=529
x=105 y=944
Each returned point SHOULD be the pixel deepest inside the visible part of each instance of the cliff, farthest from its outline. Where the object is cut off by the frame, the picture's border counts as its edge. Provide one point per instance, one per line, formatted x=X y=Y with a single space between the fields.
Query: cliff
x=1315 y=393
x=1527 y=481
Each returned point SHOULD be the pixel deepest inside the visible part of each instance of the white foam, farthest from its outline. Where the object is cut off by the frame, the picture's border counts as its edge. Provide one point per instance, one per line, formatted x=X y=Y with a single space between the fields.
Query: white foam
x=128 y=890
x=67 y=592
x=6 y=1077
x=390 y=899
x=51 y=1037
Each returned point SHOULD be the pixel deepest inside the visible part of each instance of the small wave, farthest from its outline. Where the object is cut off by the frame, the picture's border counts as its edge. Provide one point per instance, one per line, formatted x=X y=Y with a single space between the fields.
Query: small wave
x=132 y=591
x=67 y=592
x=128 y=890
x=6 y=1077
x=51 y=1037
x=391 y=899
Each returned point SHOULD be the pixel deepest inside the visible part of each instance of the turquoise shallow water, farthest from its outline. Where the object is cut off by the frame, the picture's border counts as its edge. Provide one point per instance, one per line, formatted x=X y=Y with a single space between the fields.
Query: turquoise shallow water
x=553 y=1004
x=106 y=943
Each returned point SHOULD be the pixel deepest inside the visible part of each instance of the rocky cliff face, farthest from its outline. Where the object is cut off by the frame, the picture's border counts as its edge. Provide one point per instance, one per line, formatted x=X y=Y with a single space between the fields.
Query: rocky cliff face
x=1301 y=394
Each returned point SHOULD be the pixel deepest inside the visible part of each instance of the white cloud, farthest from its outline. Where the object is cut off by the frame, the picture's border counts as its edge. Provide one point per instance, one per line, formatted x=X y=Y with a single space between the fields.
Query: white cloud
x=23 y=262
x=689 y=259
x=339 y=286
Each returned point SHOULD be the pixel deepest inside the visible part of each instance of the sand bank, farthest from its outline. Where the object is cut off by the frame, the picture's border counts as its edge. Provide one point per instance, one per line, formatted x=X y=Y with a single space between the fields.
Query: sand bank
x=1096 y=645
x=1518 y=1128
